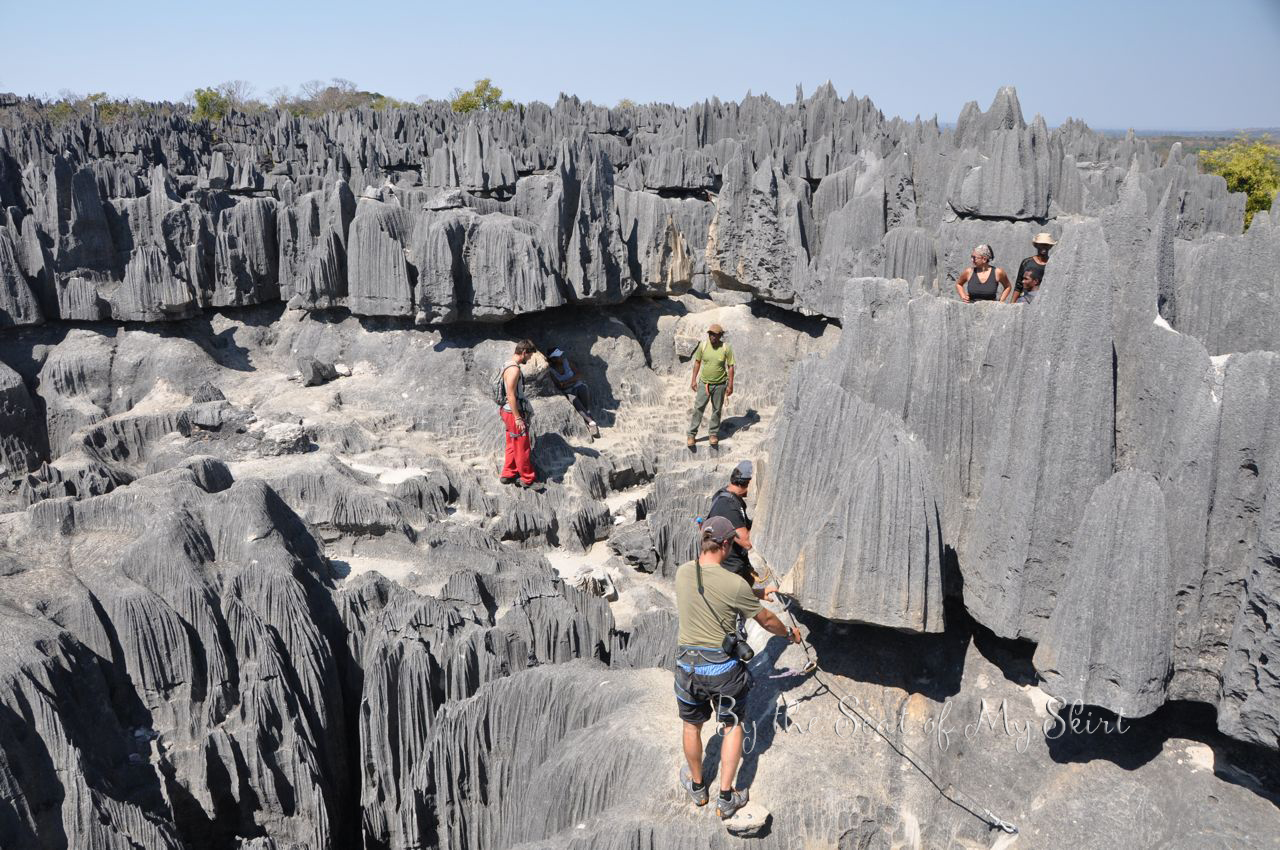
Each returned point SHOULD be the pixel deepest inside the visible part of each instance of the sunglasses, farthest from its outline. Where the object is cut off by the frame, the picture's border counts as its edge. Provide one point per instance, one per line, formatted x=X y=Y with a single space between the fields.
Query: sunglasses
x=714 y=334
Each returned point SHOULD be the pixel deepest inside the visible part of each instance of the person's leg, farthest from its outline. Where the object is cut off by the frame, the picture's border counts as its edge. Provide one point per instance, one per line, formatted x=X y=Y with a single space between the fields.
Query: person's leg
x=717 y=405
x=730 y=756
x=524 y=458
x=731 y=710
x=693 y=750
x=699 y=405
x=509 y=469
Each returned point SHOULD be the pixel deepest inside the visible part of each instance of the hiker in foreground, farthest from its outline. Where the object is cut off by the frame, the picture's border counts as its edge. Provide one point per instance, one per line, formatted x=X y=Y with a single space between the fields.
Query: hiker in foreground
x=712 y=381
x=1032 y=269
x=569 y=381
x=517 y=461
x=731 y=503
x=982 y=282
x=711 y=660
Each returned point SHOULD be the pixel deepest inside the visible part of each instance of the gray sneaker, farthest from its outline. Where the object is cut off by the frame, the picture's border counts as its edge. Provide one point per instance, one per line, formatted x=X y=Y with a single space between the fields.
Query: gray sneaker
x=728 y=808
x=686 y=782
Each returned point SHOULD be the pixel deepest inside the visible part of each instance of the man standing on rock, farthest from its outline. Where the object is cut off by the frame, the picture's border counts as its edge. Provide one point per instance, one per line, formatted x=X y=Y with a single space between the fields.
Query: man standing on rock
x=709 y=665
x=517 y=461
x=712 y=381
x=731 y=503
x=1031 y=272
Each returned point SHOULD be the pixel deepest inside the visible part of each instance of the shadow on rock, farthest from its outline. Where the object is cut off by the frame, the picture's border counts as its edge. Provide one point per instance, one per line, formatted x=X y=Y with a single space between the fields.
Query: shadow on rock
x=734 y=424
x=1088 y=733
x=928 y=664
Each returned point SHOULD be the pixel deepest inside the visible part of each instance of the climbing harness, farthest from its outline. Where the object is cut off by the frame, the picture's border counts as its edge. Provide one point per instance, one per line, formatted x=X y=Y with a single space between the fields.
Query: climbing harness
x=948 y=792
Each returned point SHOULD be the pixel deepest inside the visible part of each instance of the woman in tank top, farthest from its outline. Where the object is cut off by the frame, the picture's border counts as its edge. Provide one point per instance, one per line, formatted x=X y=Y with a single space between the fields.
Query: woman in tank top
x=983 y=282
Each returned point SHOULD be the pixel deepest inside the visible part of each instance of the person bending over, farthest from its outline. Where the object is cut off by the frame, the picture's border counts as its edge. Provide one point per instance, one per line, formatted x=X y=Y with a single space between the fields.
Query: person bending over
x=569 y=381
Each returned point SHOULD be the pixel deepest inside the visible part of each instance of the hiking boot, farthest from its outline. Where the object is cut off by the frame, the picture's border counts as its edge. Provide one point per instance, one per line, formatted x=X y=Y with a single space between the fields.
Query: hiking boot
x=692 y=443
x=714 y=440
x=686 y=782
x=506 y=480
x=728 y=808
x=535 y=486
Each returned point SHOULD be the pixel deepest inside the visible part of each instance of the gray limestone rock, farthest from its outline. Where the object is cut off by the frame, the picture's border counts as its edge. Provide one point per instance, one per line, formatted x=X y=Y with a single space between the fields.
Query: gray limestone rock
x=1238 y=590
x=246 y=260
x=1242 y=312
x=861 y=531
x=1008 y=178
x=279 y=615
x=1109 y=639
x=759 y=240
x=666 y=239
x=378 y=274
x=18 y=304
x=315 y=372
x=480 y=267
x=1052 y=443
x=22 y=440
x=312 y=238
x=151 y=292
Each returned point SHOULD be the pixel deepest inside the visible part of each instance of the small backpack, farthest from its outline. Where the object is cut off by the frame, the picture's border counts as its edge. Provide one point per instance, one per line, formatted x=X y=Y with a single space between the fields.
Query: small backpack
x=500 y=388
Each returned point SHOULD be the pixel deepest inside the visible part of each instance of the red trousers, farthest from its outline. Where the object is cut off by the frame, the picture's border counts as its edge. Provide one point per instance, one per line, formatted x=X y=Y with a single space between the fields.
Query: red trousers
x=516 y=460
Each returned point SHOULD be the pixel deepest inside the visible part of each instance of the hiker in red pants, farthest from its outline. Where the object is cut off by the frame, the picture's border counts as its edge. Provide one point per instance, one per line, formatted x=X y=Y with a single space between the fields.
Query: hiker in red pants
x=517 y=463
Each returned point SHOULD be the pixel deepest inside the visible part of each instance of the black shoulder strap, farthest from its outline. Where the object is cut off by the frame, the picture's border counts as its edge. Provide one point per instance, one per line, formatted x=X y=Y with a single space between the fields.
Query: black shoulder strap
x=698 y=566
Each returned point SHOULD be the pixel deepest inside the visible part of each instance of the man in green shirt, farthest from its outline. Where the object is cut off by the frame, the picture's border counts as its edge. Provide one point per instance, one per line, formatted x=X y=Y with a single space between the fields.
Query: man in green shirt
x=712 y=381
x=709 y=599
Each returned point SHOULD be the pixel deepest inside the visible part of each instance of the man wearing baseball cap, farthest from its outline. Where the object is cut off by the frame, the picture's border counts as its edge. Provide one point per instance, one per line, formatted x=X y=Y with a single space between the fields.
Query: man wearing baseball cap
x=731 y=503
x=712 y=381
x=1031 y=272
x=709 y=666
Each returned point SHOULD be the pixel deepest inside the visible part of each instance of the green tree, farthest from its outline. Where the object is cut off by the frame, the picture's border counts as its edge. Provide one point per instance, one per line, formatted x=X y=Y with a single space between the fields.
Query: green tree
x=109 y=111
x=1251 y=166
x=211 y=104
x=484 y=95
x=382 y=101
x=626 y=103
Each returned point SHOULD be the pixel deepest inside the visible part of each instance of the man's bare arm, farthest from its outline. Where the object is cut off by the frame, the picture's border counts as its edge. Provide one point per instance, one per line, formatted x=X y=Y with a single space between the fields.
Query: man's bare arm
x=770 y=623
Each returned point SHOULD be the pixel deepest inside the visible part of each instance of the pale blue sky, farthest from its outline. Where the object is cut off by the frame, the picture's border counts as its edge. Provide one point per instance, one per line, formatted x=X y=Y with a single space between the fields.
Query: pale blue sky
x=1176 y=64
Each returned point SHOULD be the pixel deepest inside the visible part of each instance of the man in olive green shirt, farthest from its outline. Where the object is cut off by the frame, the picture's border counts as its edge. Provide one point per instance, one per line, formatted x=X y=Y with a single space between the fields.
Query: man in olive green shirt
x=709 y=599
x=712 y=381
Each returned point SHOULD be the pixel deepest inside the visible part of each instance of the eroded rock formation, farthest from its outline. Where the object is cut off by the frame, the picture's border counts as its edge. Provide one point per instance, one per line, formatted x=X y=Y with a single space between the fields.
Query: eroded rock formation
x=260 y=588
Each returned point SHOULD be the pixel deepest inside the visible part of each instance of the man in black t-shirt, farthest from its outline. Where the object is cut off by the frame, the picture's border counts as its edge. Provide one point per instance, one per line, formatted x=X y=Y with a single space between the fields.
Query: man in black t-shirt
x=1032 y=266
x=731 y=503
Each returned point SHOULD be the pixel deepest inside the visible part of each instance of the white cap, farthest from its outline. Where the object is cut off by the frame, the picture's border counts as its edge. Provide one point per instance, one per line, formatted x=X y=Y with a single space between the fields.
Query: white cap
x=556 y=353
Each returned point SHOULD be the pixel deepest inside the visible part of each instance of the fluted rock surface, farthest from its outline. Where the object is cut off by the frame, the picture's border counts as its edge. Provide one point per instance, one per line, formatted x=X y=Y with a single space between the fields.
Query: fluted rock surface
x=1227 y=292
x=1023 y=414
x=487 y=217
x=1109 y=640
x=863 y=529
x=20 y=436
x=207 y=615
x=1052 y=442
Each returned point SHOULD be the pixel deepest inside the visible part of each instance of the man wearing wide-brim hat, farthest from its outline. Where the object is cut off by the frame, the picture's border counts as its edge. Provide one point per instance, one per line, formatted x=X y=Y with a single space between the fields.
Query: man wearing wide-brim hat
x=712 y=382
x=1031 y=272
